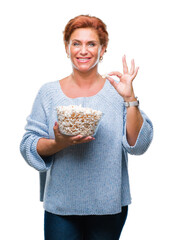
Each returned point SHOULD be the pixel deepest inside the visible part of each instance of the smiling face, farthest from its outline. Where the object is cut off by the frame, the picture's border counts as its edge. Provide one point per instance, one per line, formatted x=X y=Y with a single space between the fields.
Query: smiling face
x=84 y=49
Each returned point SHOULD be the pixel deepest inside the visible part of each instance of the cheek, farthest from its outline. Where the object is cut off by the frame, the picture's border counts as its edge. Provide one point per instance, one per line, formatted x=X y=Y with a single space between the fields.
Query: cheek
x=73 y=52
x=94 y=52
x=97 y=52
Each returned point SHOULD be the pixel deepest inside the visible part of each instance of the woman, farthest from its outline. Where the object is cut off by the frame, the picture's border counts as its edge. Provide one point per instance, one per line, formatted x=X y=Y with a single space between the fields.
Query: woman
x=84 y=180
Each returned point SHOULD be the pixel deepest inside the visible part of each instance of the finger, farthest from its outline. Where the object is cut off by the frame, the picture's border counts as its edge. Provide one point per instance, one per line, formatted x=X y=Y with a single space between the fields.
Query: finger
x=56 y=130
x=118 y=74
x=125 y=68
x=82 y=140
x=76 y=137
x=113 y=83
x=132 y=67
x=56 y=127
x=135 y=73
x=88 y=139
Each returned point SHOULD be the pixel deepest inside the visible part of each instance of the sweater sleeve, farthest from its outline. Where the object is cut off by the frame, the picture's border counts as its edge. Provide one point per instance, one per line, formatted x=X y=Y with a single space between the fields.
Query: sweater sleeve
x=144 y=138
x=36 y=128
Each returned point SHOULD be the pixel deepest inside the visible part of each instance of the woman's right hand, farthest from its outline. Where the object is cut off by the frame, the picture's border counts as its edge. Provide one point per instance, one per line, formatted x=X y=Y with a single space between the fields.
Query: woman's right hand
x=69 y=140
x=48 y=147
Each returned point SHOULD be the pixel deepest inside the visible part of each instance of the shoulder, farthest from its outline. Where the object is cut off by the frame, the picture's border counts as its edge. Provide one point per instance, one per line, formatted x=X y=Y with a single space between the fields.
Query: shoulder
x=47 y=92
x=48 y=87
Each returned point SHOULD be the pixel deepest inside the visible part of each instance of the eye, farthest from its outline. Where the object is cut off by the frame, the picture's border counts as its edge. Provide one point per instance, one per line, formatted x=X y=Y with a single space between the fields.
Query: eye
x=91 y=44
x=76 y=44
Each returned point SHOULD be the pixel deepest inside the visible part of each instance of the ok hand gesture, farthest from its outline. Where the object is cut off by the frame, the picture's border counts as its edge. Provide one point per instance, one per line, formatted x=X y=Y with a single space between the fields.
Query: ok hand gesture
x=125 y=87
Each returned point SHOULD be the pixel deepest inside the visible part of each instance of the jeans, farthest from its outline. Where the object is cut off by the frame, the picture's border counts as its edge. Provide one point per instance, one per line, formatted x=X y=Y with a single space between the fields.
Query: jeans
x=89 y=227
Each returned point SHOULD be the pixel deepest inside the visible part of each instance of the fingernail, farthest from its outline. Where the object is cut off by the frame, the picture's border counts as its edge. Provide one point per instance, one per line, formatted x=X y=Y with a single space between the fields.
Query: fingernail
x=55 y=123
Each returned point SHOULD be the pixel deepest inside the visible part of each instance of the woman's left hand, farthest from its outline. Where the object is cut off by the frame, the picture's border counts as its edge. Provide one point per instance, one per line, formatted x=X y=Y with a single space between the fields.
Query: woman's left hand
x=125 y=87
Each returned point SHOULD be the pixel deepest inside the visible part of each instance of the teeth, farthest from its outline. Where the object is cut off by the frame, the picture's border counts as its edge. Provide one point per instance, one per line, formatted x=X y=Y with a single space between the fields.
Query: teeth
x=83 y=59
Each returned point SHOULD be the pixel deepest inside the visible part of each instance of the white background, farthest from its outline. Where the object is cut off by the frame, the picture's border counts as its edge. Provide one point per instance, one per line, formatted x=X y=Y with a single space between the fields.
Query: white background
x=32 y=53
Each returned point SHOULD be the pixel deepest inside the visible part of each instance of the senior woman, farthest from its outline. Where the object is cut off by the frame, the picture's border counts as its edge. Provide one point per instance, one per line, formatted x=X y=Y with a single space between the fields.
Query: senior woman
x=84 y=180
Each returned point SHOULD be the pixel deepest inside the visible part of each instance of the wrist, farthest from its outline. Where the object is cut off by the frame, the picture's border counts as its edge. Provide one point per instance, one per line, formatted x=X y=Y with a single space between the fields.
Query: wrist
x=130 y=99
x=59 y=145
x=132 y=103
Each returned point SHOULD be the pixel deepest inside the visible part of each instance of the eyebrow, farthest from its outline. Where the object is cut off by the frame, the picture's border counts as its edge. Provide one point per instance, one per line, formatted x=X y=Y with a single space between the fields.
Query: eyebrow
x=76 y=40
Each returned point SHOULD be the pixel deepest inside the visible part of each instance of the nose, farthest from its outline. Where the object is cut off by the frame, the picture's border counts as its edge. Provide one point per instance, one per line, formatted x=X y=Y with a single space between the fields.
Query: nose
x=83 y=50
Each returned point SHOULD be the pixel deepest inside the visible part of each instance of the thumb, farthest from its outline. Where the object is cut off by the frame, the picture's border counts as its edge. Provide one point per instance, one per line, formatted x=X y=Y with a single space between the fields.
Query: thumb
x=56 y=127
x=112 y=82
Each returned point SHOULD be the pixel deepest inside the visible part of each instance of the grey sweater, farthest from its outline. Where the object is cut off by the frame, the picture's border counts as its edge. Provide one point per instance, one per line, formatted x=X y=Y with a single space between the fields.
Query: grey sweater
x=89 y=178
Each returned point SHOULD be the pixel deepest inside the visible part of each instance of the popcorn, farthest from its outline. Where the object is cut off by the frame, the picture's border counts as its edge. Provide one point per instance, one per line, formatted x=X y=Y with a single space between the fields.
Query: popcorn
x=105 y=76
x=74 y=120
x=114 y=77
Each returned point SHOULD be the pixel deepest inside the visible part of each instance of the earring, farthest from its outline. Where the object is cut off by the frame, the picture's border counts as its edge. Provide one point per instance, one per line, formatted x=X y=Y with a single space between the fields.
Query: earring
x=101 y=58
x=68 y=56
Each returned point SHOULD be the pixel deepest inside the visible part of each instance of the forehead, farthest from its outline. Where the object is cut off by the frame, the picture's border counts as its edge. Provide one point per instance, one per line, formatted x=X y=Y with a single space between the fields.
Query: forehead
x=84 y=34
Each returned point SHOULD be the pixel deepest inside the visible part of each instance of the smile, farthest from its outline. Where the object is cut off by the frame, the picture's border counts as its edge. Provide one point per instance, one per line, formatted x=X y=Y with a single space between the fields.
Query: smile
x=83 y=60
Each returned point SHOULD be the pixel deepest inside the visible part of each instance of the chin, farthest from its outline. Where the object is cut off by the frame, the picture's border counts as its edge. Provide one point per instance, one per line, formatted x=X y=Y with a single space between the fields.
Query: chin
x=84 y=68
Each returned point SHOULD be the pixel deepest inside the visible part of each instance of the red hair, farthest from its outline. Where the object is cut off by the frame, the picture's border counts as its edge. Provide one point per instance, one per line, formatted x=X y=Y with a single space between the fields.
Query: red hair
x=86 y=21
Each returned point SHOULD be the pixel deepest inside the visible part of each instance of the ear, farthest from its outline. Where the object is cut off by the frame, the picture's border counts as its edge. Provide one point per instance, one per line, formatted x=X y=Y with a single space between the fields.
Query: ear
x=67 y=48
x=102 y=51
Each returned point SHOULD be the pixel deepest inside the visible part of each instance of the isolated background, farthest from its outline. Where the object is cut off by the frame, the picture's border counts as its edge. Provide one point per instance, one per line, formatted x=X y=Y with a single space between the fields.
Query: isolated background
x=32 y=53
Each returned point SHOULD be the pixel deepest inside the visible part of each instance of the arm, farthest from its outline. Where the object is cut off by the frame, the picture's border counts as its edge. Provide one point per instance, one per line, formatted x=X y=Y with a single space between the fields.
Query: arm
x=36 y=146
x=144 y=137
x=48 y=147
x=134 y=121
x=36 y=128
x=134 y=118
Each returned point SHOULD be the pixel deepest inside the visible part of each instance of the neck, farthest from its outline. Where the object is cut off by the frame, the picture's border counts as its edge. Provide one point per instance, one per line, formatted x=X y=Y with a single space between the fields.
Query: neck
x=85 y=79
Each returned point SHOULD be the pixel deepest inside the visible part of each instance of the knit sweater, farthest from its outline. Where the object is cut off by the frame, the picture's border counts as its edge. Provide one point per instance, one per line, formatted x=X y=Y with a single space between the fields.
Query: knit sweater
x=89 y=178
